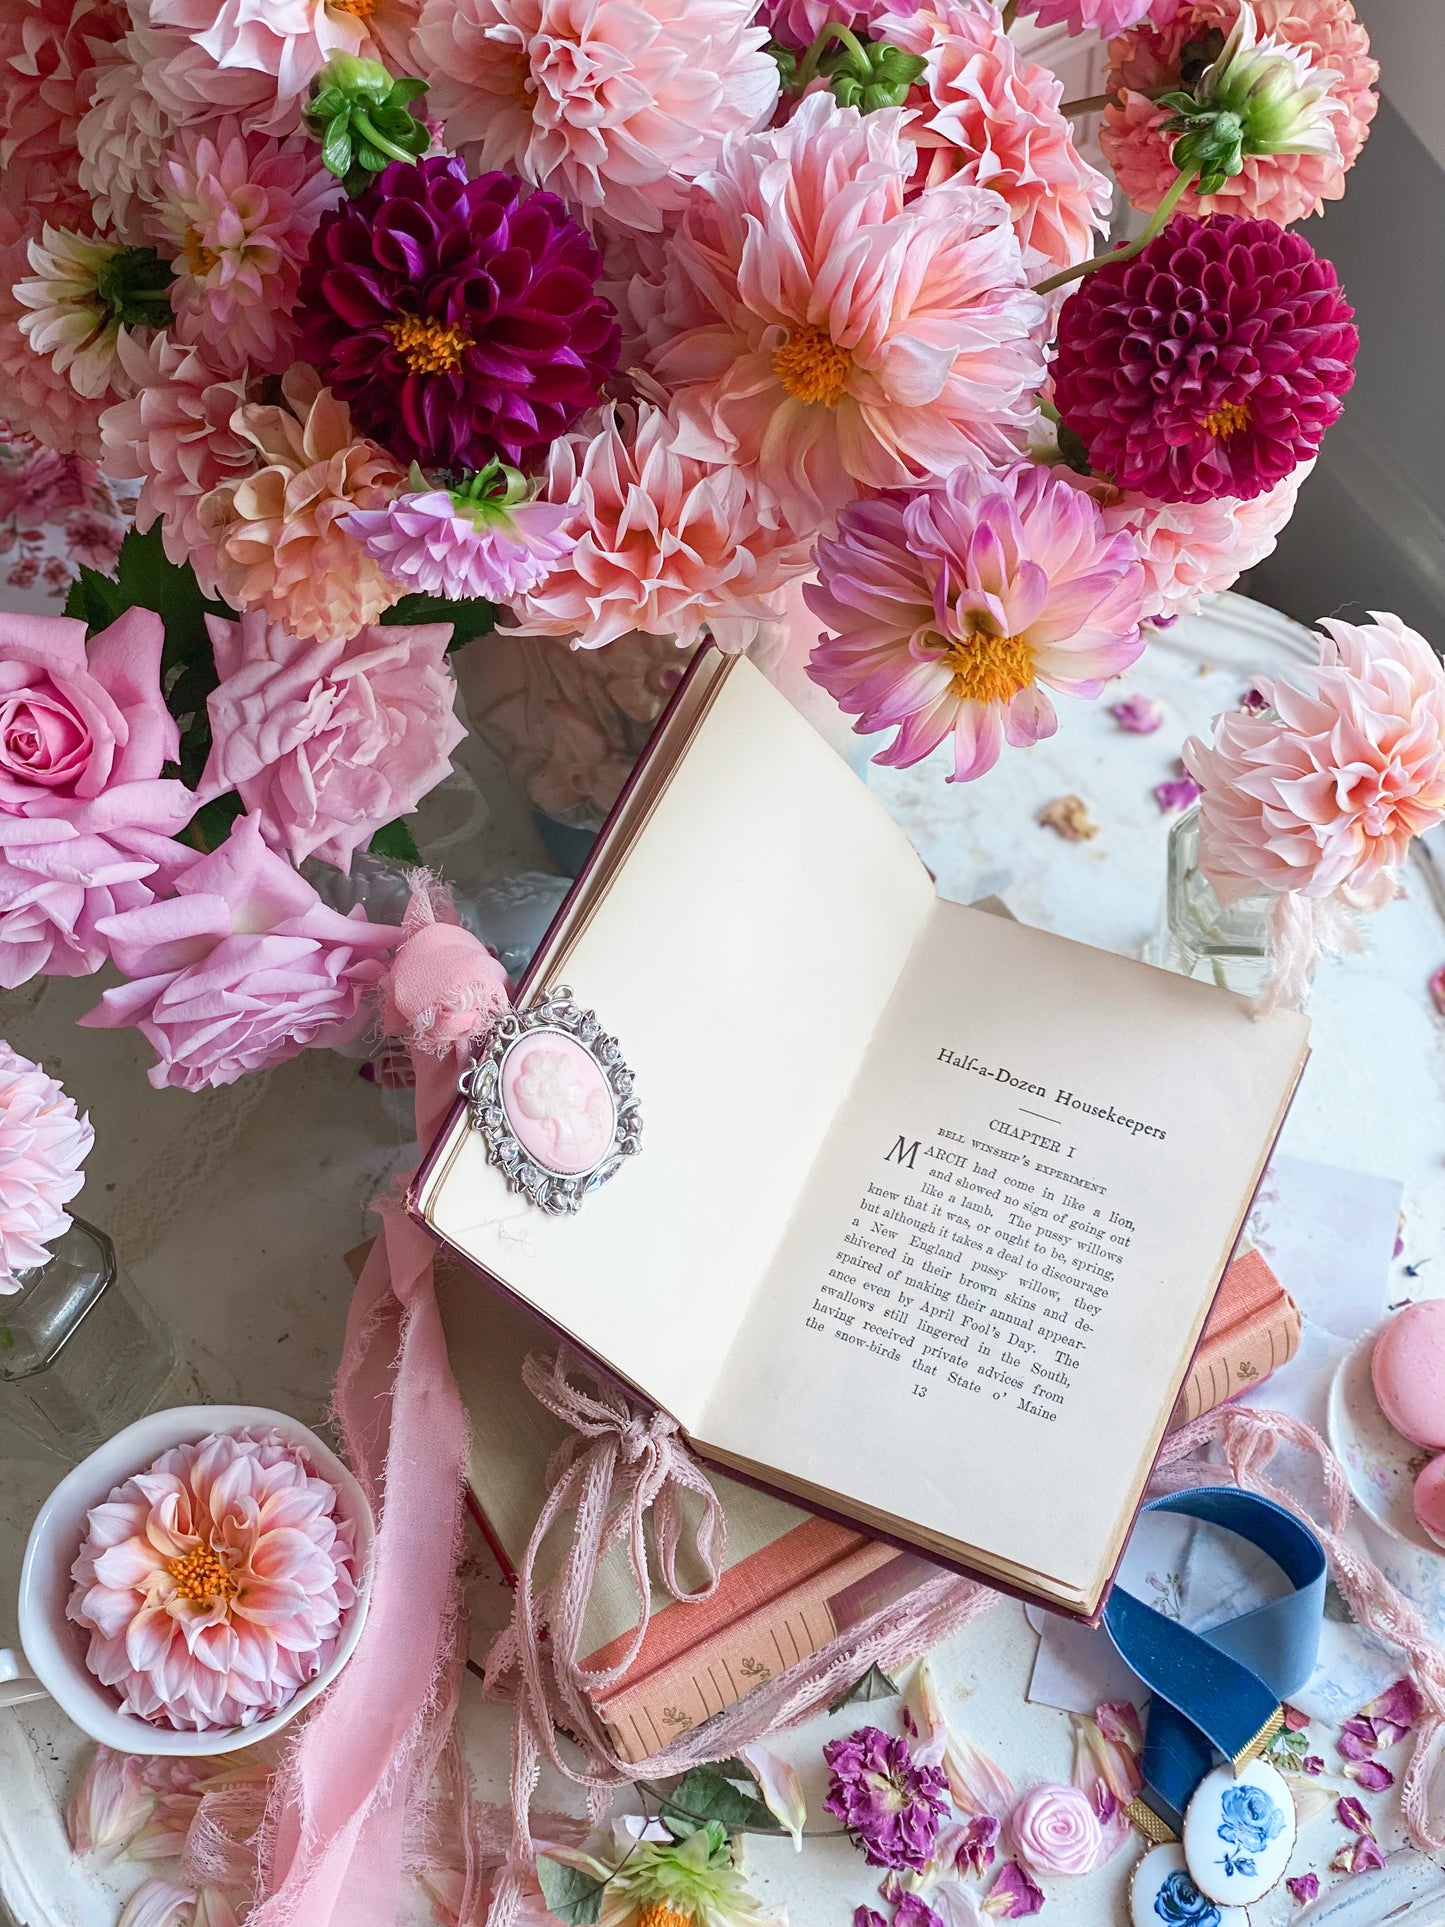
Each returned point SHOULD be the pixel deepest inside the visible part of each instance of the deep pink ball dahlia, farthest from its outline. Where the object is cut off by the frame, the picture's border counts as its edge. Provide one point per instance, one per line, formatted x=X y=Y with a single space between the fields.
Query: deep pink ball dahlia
x=1211 y=364
x=459 y=318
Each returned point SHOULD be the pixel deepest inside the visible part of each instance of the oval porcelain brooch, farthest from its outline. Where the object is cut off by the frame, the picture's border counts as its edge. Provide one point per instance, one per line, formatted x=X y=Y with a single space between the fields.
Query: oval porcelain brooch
x=1163 y=1894
x=553 y=1101
x=1239 y=1833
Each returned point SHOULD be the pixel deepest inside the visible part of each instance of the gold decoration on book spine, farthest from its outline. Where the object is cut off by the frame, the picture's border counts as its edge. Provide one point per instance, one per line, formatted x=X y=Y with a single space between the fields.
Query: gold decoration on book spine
x=1155 y=1829
x=1260 y=1741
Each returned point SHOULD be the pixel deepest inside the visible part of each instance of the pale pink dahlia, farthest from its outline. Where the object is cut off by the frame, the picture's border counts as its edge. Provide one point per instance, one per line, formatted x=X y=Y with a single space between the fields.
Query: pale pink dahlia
x=286 y=41
x=437 y=543
x=797 y=23
x=613 y=104
x=1089 y=16
x=279 y=533
x=214 y=1584
x=121 y=138
x=189 y=87
x=1278 y=187
x=951 y=610
x=662 y=542
x=174 y=433
x=987 y=116
x=237 y=212
x=43 y=1143
x=35 y=398
x=1321 y=791
x=47 y=51
x=858 y=338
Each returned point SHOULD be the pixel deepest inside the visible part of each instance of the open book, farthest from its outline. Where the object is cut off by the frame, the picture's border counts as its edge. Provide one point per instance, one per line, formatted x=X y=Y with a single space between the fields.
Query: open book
x=930 y=1207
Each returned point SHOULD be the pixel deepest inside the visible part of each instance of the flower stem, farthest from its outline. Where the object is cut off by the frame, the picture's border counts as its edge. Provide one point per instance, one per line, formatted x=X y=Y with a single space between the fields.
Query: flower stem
x=1157 y=221
x=845 y=37
x=363 y=124
x=1010 y=13
x=1090 y=104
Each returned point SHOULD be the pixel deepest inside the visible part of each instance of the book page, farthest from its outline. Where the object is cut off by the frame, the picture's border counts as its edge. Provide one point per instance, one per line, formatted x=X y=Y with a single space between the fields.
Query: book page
x=992 y=1288
x=742 y=955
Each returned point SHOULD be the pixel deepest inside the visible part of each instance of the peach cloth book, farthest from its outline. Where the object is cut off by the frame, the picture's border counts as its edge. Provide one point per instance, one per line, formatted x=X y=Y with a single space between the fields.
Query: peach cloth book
x=931 y=1207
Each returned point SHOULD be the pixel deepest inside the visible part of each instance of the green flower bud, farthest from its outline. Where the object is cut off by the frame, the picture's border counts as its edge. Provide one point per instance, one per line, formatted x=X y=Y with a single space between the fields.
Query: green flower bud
x=362 y=118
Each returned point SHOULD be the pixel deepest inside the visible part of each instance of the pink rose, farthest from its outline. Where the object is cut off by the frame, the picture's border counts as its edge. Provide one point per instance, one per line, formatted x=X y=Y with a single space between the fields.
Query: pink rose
x=242 y=968
x=328 y=741
x=1056 y=1830
x=61 y=877
x=75 y=721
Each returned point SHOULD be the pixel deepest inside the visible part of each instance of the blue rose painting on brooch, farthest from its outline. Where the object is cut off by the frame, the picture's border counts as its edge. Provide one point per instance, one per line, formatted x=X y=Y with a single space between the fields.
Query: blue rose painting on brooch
x=1251 y=1820
x=1179 y=1903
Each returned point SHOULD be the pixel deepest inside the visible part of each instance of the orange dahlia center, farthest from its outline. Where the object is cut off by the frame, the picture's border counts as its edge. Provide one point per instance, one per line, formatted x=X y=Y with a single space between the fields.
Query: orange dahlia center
x=659 y=1914
x=200 y=1575
x=812 y=366
x=1228 y=419
x=989 y=669
x=359 y=9
x=428 y=347
x=198 y=258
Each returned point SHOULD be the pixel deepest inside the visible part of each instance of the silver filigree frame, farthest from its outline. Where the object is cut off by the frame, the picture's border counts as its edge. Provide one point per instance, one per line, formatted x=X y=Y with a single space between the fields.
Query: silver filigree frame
x=480 y=1085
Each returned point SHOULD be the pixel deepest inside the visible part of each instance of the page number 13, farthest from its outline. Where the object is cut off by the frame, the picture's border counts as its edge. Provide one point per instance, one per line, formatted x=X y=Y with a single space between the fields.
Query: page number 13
x=920 y=1391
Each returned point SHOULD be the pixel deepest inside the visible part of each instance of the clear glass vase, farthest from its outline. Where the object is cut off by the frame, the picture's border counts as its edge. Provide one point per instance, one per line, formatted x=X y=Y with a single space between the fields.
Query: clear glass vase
x=80 y=1355
x=1224 y=944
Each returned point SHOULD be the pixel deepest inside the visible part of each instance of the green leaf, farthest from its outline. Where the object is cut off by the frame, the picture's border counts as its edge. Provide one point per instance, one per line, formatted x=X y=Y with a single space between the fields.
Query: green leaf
x=472 y=616
x=94 y=599
x=336 y=148
x=396 y=841
x=706 y=1796
x=211 y=824
x=371 y=157
x=408 y=88
x=573 y=1896
x=324 y=106
x=874 y=1685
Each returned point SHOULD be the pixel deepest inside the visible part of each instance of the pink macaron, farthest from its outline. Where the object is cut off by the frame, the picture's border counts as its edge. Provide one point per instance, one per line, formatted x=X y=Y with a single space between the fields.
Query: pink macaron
x=1408 y=1368
x=1430 y=1499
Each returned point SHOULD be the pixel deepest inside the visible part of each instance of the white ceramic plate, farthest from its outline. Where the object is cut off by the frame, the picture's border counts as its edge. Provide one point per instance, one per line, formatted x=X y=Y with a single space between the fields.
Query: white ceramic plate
x=1382 y=1465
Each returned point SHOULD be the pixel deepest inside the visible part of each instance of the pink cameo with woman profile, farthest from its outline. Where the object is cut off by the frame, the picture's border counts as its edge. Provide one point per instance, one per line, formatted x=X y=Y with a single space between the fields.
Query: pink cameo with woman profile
x=557 y=1103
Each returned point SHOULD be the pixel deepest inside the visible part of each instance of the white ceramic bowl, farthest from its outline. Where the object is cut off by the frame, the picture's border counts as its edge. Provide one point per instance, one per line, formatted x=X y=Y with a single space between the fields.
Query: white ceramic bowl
x=55 y=1647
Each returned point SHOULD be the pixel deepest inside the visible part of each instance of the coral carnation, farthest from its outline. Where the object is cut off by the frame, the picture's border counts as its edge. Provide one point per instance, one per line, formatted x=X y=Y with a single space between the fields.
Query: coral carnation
x=1280 y=187
x=213 y=1585
x=1321 y=791
x=952 y=611
x=175 y=434
x=279 y=534
x=459 y=318
x=854 y=339
x=987 y=116
x=43 y=1143
x=1211 y=364
x=238 y=211
x=664 y=543
x=329 y=741
x=38 y=399
x=613 y=104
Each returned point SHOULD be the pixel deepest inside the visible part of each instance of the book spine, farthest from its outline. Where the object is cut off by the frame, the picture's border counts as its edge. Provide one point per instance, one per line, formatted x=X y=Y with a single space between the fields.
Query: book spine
x=644 y=1715
x=1241 y=1356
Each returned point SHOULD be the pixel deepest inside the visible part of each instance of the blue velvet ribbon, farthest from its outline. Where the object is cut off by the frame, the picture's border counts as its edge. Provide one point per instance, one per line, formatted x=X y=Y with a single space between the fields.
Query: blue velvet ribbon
x=1214 y=1692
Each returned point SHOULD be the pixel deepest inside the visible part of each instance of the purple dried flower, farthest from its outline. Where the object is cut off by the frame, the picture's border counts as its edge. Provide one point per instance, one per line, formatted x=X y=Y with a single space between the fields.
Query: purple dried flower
x=1353 y=1815
x=1369 y=1774
x=1305 y=1887
x=1013 y=1894
x=443 y=543
x=458 y=318
x=890 y=1802
x=1140 y=715
x=1179 y=793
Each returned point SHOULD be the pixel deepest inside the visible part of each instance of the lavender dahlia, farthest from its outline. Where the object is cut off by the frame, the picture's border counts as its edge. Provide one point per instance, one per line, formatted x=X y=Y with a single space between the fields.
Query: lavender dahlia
x=1211 y=364
x=475 y=540
x=459 y=318
x=888 y=1800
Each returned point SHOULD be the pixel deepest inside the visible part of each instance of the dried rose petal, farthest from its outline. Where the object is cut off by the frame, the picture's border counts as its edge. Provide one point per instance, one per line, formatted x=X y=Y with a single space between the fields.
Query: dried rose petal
x=1312 y=1764
x=1305 y=1887
x=1357 y=1738
x=1354 y=1816
x=1359 y=1856
x=1177 y=794
x=977 y=1847
x=1013 y=1895
x=1140 y=715
x=1369 y=1774
x=1399 y=1706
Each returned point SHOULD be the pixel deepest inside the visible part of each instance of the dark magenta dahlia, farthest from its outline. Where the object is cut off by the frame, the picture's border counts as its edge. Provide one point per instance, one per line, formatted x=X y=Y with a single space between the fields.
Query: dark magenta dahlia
x=458 y=318
x=1211 y=364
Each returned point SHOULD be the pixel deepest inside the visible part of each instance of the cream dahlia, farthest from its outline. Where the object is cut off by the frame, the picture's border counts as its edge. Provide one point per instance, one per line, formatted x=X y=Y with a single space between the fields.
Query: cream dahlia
x=39 y=400
x=43 y=1143
x=1320 y=791
x=951 y=612
x=85 y=294
x=174 y=434
x=214 y=1584
x=121 y=138
x=613 y=104
x=1279 y=187
x=987 y=116
x=279 y=533
x=238 y=212
x=661 y=542
x=856 y=338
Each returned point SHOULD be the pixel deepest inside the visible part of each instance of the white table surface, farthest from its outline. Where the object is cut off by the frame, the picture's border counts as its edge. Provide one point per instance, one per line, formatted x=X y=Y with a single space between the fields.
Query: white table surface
x=232 y=1213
